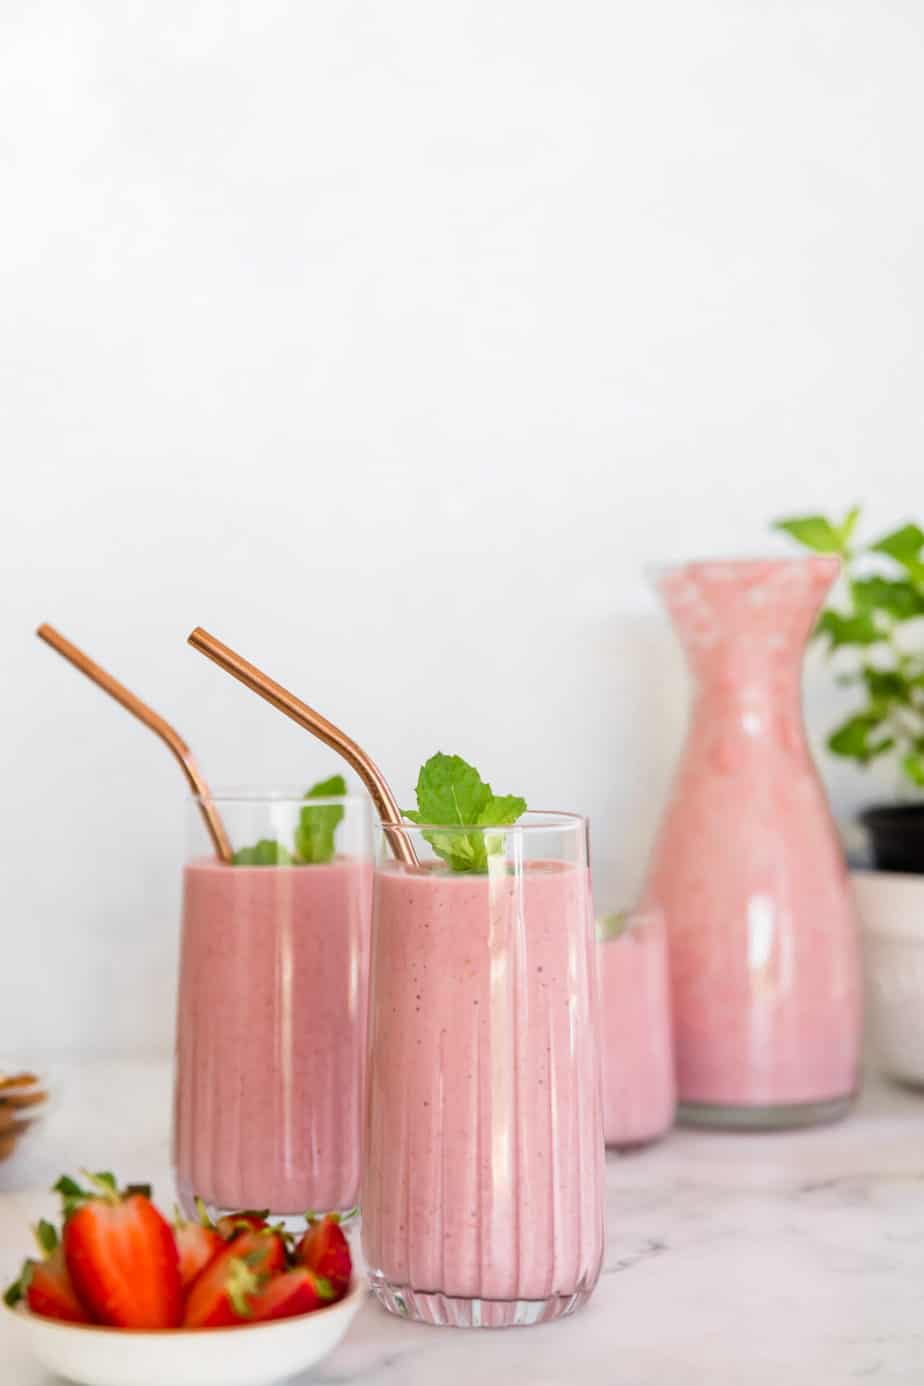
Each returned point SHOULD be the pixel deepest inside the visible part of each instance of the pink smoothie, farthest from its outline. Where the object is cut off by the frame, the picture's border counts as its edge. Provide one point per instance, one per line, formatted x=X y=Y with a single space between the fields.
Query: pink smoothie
x=483 y=1148
x=271 y=1034
x=747 y=868
x=635 y=1029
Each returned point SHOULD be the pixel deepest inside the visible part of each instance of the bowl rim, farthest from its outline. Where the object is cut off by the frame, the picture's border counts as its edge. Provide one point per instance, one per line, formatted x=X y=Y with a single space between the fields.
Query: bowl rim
x=358 y=1288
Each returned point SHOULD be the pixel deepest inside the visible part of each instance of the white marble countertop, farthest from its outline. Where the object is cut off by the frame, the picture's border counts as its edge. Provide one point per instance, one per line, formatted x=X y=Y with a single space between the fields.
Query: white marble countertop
x=736 y=1260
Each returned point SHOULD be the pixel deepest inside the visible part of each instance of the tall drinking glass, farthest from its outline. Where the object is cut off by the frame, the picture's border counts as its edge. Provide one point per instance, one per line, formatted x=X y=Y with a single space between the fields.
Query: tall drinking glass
x=482 y=1188
x=271 y=1017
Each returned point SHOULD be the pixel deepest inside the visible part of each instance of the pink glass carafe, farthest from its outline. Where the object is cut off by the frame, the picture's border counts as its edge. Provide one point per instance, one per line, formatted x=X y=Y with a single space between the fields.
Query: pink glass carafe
x=747 y=867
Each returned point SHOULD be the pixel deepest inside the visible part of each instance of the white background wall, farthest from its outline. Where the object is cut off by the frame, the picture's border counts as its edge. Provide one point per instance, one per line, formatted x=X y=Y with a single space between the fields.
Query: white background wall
x=389 y=342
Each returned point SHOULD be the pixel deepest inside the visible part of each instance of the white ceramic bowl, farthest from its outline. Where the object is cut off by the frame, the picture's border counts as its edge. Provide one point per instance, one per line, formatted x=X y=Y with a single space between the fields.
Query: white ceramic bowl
x=250 y=1355
x=891 y=909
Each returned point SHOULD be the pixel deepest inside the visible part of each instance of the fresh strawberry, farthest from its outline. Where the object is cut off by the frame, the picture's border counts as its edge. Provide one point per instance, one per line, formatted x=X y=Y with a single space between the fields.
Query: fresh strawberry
x=196 y=1244
x=45 y=1285
x=251 y=1219
x=292 y=1292
x=325 y=1250
x=50 y=1292
x=121 y=1257
x=221 y=1294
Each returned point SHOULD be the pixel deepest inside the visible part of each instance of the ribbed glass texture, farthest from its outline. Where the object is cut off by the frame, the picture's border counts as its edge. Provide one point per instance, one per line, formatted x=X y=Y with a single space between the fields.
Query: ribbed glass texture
x=271 y=1017
x=482 y=1189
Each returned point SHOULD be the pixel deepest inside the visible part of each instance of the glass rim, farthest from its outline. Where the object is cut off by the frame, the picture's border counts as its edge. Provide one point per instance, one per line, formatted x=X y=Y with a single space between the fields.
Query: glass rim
x=557 y=821
x=283 y=794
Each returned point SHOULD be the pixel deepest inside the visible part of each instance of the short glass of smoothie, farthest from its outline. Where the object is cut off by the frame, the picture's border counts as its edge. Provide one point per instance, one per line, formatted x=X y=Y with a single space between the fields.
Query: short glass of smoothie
x=482 y=1186
x=639 y=1090
x=272 y=1006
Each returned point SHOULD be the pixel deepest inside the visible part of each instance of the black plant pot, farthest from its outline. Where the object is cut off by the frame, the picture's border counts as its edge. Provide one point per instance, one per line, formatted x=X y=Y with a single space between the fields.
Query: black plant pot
x=897 y=836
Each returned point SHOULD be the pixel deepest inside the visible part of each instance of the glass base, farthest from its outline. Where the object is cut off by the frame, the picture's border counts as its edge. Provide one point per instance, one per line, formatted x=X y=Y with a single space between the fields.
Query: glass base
x=629 y=1147
x=763 y=1118
x=292 y=1222
x=452 y=1311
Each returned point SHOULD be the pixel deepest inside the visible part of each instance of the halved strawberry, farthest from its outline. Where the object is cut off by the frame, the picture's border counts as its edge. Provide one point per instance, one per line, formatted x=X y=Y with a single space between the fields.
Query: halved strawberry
x=220 y=1294
x=292 y=1292
x=325 y=1250
x=196 y=1244
x=50 y=1292
x=249 y=1219
x=45 y=1285
x=122 y=1258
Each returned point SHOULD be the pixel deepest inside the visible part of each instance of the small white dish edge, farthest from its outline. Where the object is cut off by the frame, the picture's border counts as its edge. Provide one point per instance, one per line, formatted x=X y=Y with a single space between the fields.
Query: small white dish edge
x=250 y=1355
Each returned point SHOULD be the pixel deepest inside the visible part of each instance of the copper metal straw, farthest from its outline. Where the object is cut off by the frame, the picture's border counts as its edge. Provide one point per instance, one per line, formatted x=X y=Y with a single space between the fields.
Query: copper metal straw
x=157 y=724
x=325 y=731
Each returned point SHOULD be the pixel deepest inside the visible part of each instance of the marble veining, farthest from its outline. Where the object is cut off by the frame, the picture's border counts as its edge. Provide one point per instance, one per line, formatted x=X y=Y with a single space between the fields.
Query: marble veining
x=790 y=1259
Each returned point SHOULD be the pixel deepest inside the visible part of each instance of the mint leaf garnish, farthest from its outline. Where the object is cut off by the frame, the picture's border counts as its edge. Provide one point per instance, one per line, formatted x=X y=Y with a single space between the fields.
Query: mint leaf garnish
x=613 y=925
x=314 y=836
x=451 y=792
x=267 y=852
x=500 y=810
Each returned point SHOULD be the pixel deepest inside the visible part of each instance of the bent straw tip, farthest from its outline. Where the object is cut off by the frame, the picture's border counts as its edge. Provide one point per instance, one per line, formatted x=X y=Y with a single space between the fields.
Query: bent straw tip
x=195 y=636
x=45 y=630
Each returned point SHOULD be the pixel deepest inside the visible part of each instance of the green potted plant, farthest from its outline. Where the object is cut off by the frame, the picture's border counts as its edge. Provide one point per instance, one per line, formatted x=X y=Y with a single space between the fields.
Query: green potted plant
x=878 y=619
x=879 y=602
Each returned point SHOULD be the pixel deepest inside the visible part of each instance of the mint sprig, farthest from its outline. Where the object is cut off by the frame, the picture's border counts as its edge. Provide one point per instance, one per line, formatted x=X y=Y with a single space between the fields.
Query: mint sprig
x=610 y=926
x=451 y=792
x=267 y=852
x=880 y=598
x=314 y=836
x=317 y=824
